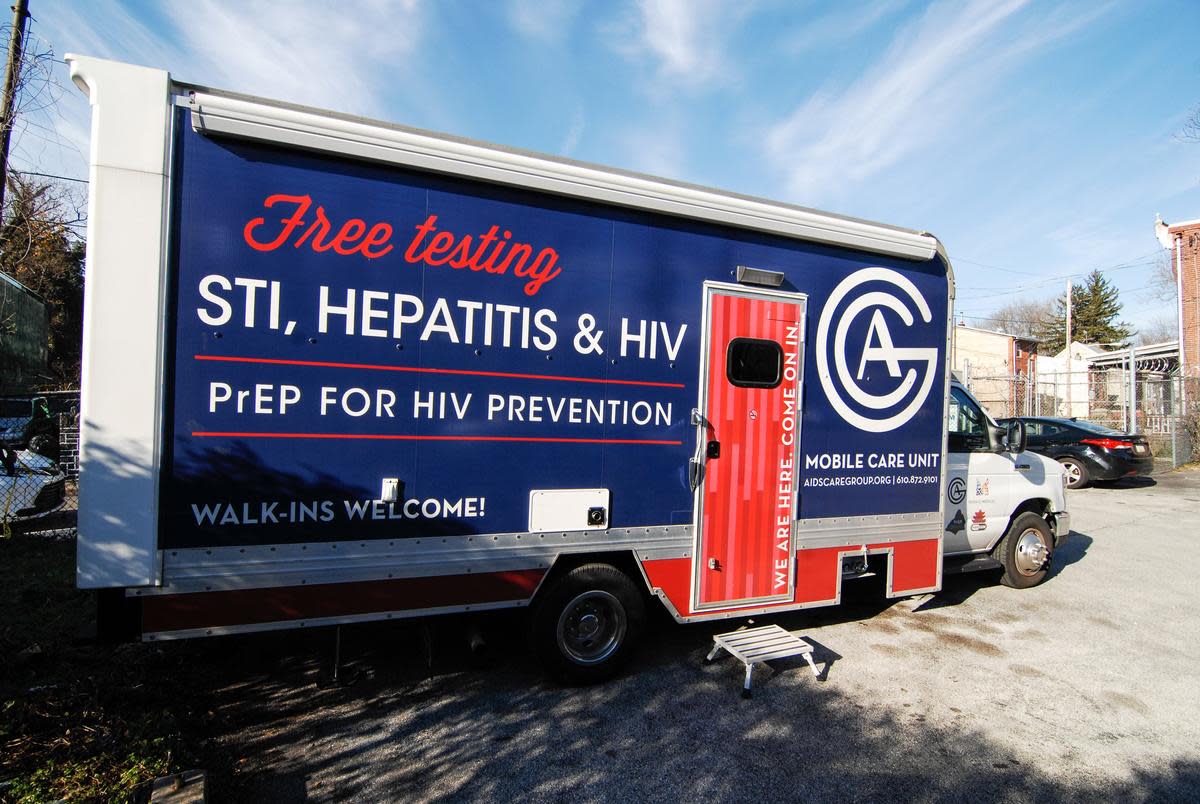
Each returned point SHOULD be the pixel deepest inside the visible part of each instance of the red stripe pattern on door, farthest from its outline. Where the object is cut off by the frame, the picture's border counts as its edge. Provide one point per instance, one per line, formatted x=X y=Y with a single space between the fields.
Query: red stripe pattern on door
x=748 y=493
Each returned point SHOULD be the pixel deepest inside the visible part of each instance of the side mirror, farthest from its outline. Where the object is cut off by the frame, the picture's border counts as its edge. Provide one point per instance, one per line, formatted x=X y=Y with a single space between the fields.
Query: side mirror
x=997 y=437
x=1007 y=438
x=1015 y=436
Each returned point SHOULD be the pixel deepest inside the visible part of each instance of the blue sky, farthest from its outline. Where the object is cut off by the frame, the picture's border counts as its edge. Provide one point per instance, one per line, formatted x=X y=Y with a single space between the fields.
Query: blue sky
x=1036 y=139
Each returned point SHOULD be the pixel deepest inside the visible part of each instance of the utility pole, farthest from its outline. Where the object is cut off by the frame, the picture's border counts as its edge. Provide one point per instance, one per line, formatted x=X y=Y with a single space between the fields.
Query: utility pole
x=1070 y=366
x=1133 y=424
x=12 y=74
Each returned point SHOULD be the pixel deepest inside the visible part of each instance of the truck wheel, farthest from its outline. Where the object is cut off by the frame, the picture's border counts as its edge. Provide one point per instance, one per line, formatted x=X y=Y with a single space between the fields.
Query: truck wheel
x=1025 y=551
x=1077 y=473
x=586 y=623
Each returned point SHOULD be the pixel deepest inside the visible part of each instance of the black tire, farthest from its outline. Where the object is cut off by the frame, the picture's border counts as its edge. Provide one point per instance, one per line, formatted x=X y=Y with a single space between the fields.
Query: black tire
x=584 y=627
x=41 y=445
x=1078 y=476
x=1026 y=551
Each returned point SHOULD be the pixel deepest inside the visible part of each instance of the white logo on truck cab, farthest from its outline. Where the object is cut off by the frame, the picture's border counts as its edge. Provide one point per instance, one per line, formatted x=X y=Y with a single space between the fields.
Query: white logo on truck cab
x=879 y=347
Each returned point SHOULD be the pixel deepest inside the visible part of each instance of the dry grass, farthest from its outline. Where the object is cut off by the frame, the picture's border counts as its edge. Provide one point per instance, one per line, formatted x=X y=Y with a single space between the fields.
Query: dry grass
x=80 y=720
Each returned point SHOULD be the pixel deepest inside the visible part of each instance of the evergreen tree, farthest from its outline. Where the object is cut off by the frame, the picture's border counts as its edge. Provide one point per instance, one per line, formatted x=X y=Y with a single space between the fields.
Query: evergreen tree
x=1094 y=309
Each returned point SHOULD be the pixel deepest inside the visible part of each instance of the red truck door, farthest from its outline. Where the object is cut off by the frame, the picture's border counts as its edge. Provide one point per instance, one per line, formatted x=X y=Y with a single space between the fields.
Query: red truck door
x=747 y=427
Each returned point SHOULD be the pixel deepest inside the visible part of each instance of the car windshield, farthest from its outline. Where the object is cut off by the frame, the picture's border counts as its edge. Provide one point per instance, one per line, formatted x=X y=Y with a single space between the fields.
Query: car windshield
x=1098 y=429
x=14 y=408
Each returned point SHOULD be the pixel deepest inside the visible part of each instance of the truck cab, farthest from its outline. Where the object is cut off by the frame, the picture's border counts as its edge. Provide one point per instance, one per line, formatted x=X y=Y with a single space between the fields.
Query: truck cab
x=1004 y=506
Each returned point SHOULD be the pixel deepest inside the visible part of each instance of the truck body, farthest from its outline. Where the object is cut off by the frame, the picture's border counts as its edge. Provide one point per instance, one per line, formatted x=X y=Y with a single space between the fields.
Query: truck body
x=339 y=370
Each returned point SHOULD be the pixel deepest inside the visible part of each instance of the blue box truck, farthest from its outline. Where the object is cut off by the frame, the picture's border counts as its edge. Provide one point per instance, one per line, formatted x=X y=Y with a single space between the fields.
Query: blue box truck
x=339 y=370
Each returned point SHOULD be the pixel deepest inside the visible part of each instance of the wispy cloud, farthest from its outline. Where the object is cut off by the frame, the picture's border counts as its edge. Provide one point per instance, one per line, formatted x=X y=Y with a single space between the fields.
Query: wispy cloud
x=907 y=101
x=656 y=148
x=842 y=25
x=686 y=39
x=574 y=132
x=300 y=51
x=544 y=20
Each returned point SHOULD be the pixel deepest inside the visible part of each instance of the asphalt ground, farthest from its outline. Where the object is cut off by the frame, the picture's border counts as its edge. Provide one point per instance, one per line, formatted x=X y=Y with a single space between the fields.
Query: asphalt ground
x=1084 y=688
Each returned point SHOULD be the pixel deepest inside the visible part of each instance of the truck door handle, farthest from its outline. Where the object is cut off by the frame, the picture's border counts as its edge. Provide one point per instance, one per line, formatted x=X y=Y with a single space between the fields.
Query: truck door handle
x=704 y=449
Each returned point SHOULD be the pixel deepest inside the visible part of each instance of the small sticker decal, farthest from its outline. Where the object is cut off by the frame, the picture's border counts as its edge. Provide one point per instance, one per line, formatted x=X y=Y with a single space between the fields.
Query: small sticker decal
x=978 y=521
x=957 y=524
x=956 y=490
x=982 y=487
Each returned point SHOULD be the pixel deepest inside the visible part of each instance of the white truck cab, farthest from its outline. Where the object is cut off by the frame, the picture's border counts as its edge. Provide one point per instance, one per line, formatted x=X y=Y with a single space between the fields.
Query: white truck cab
x=1004 y=506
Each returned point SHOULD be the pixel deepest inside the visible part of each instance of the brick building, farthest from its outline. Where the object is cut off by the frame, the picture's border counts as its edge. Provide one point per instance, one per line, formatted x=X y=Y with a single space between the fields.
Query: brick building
x=1183 y=239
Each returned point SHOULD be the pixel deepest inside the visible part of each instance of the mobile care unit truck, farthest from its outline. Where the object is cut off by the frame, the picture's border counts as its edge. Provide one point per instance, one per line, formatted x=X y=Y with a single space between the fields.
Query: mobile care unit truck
x=338 y=370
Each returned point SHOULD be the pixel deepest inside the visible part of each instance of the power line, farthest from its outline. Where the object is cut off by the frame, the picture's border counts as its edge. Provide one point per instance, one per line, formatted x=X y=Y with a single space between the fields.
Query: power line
x=50 y=176
x=1136 y=262
x=1001 y=320
x=1130 y=263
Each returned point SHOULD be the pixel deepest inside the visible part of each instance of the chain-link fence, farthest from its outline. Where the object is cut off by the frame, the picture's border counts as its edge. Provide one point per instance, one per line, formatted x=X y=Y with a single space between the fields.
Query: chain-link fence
x=39 y=464
x=1161 y=405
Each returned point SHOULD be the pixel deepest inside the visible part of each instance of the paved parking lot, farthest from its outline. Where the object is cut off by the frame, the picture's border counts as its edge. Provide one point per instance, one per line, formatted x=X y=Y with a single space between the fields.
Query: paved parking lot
x=1082 y=688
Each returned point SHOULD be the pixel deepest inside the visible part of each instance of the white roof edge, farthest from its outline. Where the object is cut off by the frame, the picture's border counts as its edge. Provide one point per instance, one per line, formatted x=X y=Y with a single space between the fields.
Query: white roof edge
x=219 y=112
x=1181 y=224
x=1116 y=354
x=995 y=332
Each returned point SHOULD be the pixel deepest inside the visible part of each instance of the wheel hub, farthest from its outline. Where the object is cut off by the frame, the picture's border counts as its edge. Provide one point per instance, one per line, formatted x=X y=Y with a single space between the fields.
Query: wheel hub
x=1032 y=553
x=591 y=627
x=589 y=624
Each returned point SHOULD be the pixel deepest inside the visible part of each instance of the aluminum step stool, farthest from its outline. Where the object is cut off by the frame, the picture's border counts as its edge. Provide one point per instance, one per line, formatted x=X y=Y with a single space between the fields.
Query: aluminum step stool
x=751 y=645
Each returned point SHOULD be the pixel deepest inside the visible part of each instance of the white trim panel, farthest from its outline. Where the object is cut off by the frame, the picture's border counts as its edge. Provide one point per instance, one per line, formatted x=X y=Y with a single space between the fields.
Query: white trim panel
x=121 y=405
x=814 y=534
x=210 y=569
x=360 y=139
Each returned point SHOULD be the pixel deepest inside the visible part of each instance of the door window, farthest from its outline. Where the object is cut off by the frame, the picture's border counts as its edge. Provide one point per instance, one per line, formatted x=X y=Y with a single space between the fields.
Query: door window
x=754 y=363
x=967 y=424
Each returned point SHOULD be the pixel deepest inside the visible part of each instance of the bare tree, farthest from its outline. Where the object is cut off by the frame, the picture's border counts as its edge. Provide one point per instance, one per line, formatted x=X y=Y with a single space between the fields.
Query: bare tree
x=1158 y=330
x=39 y=249
x=1021 y=317
x=1162 y=279
x=43 y=219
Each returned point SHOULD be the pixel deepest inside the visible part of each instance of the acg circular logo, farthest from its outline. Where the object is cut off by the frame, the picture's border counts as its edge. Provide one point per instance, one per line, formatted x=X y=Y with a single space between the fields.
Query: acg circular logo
x=889 y=410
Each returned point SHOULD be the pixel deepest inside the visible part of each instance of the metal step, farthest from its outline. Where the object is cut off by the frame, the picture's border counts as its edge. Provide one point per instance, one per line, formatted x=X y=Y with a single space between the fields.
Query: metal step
x=762 y=644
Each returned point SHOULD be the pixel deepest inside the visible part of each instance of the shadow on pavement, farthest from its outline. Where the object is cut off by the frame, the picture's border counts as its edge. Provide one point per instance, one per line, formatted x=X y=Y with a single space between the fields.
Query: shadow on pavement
x=426 y=719
x=1126 y=483
x=1072 y=551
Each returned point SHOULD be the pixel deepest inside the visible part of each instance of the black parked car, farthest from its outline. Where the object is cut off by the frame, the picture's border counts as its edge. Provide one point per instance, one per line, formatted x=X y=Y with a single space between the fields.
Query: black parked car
x=1088 y=452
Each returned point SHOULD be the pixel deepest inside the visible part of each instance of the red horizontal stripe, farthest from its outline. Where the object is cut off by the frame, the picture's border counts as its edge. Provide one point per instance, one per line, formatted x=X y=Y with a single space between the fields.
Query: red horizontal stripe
x=373 y=367
x=253 y=606
x=406 y=437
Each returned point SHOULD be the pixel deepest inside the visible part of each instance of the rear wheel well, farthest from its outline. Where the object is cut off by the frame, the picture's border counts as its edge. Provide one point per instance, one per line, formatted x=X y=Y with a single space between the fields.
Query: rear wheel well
x=623 y=560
